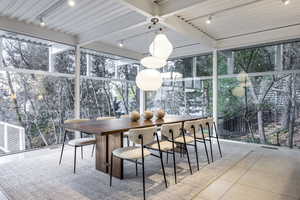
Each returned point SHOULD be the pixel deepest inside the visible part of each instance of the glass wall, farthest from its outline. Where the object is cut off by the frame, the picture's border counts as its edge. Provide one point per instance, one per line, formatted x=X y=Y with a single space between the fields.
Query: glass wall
x=187 y=87
x=37 y=90
x=259 y=94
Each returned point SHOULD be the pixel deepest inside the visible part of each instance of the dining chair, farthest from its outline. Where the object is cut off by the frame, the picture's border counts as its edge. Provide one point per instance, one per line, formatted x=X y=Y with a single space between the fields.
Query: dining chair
x=193 y=127
x=143 y=137
x=174 y=135
x=77 y=142
x=208 y=124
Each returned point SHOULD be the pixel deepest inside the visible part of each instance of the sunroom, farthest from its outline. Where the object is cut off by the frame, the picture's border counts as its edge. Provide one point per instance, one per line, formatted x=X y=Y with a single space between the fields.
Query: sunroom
x=149 y=99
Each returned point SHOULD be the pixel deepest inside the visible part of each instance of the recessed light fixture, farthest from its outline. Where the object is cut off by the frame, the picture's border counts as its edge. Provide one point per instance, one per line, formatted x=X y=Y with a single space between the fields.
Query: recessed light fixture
x=42 y=22
x=286 y=2
x=208 y=20
x=71 y=3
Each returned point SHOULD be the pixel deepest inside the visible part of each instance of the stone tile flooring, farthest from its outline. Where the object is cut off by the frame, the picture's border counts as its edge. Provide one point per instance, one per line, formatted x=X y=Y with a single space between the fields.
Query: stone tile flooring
x=246 y=171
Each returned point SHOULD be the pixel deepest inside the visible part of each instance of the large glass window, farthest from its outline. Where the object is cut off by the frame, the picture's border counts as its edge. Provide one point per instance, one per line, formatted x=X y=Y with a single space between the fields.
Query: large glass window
x=259 y=102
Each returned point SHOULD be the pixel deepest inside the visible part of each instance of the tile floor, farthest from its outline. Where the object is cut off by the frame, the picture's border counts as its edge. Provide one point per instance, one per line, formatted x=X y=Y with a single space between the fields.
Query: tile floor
x=246 y=171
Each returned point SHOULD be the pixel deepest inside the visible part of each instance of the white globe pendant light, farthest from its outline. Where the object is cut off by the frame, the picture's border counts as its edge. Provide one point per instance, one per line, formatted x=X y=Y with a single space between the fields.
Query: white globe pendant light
x=149 y=80
x=161 y=47
x=153 y=62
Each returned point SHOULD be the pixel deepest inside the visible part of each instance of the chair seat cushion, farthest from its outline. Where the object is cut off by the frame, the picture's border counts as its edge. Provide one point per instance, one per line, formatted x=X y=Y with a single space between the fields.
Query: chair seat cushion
x=132 y=153
x=82 y=141
x=188 y=139
x=164 y=145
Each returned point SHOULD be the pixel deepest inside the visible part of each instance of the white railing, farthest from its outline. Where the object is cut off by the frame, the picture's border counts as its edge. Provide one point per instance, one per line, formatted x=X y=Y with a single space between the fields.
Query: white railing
x=12 y=137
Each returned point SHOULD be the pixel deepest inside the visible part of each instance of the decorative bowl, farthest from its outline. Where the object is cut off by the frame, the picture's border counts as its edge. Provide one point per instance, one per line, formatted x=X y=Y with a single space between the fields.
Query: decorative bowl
x=160 y=114
x=134 y=116
x=148 y=115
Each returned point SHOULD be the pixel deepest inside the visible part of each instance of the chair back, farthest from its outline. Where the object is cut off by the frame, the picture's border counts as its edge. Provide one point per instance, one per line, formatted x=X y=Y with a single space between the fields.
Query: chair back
x=105 y=118
x=147 y=133
x=210 y=120
x=191 y=126
x=175 y=128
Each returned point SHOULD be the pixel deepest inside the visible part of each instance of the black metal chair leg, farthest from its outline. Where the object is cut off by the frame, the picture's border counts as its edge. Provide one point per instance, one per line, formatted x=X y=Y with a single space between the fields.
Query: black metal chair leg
x=167 y=157
x=81 y=152
x=136 y=168
x=111 y=168
x=143 y=170
x=163 y=169
x=93 y=149
x=214 y=124
x=210 y=140
x=188 y=157
x=62 y=148
x=75 y=150
x=174 y=163
x=204 y=142
x=196 y=151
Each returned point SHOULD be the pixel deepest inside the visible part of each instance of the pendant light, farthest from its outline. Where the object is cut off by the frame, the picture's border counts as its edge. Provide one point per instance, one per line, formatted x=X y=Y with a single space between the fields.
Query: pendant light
x=149 y=80
x=153 y=62
x=161 y=47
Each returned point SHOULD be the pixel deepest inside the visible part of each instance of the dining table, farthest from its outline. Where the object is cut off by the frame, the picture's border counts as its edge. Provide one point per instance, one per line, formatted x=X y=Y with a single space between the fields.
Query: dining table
x=109 y=136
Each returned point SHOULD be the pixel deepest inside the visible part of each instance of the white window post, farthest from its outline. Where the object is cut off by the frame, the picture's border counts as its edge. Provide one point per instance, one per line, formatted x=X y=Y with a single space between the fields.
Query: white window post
x=77 y=86
x=50 y=59
x=142 y=96
x=1 y=52
x=215 y=86
x=88 y=64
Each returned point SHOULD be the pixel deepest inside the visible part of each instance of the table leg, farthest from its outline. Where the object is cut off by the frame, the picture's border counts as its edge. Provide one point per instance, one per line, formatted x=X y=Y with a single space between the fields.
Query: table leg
x=104 y=146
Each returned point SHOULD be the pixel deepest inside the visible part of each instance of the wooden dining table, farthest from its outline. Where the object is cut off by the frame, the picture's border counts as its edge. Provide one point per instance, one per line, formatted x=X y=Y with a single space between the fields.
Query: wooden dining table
x=109 y=136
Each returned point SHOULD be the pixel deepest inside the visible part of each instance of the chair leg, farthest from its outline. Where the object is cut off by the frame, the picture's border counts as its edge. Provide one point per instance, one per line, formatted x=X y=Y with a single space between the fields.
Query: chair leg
x=62 y=148
x=143 y=170
x=210 y=140
x=136 y=168
x=174 y=163
x=81 y=152
x=218 y=139
x=93 y=149
x=196 y=151
x=163 y=168
x=188 y=157
x=75 y=150
x=204 y=142
x=111 y=168
x=167 y=157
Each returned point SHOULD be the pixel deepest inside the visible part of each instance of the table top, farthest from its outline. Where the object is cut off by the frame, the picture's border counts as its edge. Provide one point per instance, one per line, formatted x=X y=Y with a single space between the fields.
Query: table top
x=123 y=124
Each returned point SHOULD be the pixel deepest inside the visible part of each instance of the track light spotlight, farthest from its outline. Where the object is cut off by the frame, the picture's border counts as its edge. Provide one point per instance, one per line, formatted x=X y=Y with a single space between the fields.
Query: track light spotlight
x=42 y=22
x=71 y=3
x=285 y=2
x=121 y=43
x=208 y=20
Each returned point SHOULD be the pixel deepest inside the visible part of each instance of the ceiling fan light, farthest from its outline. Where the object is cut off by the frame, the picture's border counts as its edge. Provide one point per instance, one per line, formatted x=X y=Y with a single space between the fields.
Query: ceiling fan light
x=161 y=47
x=149 y=80
x=153 y=62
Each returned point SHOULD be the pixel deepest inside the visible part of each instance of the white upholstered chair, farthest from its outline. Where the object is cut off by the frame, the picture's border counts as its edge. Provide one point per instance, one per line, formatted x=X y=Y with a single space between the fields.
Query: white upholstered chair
x=208 y=124
x=143 y=137
x=77 y=142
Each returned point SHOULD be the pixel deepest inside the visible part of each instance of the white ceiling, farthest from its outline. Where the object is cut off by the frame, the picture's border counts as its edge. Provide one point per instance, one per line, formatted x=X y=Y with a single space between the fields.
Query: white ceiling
x=101 y=24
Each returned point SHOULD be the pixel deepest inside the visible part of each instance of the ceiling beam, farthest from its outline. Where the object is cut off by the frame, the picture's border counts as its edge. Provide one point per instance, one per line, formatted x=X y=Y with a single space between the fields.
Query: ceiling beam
x=174 y=7
x=150 y=9
x=264 y=37
x=177 y=25
x=13 y=25
x=144 y=7
x=111 y=49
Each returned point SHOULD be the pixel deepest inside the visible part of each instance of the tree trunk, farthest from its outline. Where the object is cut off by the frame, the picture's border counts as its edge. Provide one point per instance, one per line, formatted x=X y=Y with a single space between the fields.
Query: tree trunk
x=261 y=130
